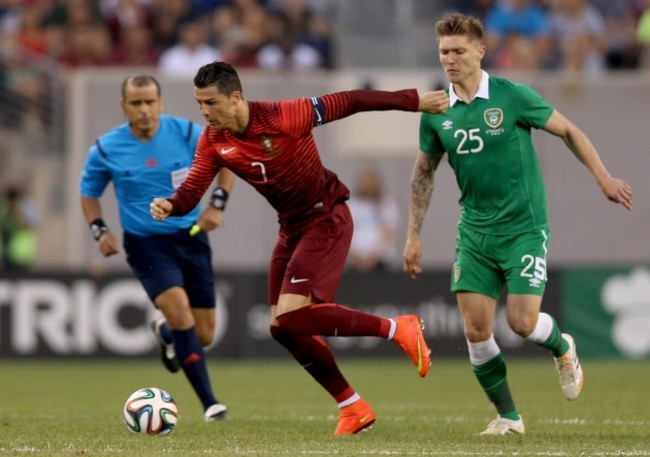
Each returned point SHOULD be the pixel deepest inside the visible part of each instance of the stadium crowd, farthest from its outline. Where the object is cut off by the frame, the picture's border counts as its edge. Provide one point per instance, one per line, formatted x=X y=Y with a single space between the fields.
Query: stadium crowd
x=247 y=33
x=41 y=38
x=588 y=35
x=576 y=35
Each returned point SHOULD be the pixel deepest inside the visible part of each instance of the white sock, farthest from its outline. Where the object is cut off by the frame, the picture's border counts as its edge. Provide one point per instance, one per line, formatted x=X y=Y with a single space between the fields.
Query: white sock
x=483 y=351
x=393 y=328
x=542 y=330
x=349 y=401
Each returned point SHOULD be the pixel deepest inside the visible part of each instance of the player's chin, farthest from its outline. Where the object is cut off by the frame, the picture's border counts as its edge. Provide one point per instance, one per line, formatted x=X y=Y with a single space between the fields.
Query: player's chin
x=453 y=75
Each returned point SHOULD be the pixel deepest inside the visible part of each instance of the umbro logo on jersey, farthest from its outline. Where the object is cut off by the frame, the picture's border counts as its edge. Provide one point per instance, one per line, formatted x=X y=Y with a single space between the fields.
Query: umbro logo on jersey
x=447 y=124
x=225 y=151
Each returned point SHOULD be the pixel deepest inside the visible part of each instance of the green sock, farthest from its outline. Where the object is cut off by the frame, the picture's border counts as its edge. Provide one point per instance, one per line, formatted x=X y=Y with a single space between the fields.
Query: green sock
x=492 y=377
x=557 y=345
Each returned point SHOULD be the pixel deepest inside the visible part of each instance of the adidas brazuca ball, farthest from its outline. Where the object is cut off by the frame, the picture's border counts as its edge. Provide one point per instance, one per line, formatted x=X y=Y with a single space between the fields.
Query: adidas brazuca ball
x=150 y=410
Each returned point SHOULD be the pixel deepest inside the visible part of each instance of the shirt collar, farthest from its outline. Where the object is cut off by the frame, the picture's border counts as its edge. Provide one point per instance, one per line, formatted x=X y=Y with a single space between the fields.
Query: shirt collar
x=482 y=92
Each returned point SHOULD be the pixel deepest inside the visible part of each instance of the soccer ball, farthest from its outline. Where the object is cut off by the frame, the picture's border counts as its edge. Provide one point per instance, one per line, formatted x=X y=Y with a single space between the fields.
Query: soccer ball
x=150 y=410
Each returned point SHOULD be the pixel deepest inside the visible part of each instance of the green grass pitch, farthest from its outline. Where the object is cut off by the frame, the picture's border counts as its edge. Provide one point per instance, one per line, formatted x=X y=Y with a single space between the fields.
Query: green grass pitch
x=66 y=408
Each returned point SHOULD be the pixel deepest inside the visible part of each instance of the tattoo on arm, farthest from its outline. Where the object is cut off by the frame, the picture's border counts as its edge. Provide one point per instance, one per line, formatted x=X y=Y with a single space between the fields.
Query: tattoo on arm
x=421 y=189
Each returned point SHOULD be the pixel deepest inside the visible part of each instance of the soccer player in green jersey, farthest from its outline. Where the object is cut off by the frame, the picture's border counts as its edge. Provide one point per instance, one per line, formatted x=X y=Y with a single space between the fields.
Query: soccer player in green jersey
x=503 y=231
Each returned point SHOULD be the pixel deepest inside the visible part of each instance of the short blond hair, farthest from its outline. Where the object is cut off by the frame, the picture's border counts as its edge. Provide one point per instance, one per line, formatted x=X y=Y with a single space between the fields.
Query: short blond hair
x=460 y=24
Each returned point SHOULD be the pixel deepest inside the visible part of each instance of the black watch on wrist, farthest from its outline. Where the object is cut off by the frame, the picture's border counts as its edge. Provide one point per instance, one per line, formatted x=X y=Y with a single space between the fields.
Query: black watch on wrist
x=219 y=198
x=98 y=228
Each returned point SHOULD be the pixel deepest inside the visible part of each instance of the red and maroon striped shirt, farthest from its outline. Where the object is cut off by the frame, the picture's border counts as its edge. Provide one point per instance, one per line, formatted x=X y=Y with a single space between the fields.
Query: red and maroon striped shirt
x=277 y=153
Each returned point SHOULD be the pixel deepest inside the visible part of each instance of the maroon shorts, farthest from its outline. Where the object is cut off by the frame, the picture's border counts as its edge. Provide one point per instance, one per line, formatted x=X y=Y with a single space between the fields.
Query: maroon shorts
x=311 y=259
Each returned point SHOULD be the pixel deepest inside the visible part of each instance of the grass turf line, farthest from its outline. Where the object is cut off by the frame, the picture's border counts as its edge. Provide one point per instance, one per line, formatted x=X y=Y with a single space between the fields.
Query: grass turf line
x=64 y=408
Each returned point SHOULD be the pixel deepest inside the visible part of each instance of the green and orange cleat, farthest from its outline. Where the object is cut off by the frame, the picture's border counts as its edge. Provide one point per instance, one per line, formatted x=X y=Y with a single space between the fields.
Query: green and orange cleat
x=409 y=337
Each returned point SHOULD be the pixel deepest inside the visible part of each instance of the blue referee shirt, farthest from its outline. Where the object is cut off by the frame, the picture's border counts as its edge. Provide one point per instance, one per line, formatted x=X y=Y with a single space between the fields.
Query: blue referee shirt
x=141 y=171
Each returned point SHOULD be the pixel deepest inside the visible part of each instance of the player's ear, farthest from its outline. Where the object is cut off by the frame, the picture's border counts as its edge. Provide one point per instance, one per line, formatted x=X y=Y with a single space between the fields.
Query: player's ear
x=236 y=96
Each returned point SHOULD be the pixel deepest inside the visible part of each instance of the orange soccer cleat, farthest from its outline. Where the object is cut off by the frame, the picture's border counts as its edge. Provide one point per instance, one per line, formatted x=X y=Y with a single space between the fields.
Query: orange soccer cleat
x=409 y=337
x=355 y=418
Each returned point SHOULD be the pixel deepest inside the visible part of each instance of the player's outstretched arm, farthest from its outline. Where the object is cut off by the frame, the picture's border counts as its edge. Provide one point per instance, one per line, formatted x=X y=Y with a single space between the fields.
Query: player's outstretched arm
x=422 y=182
x=616 y=190
x=161 y=208
x=435 y=102
x=338 y=105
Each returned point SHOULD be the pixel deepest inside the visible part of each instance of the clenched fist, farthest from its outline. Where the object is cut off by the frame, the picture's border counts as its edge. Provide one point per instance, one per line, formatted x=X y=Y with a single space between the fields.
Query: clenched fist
x=160 y=208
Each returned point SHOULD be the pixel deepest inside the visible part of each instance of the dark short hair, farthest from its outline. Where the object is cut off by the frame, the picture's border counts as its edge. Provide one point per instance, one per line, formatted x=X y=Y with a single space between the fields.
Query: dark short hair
x=219 y=74
x=140 y=81
x=460 y=24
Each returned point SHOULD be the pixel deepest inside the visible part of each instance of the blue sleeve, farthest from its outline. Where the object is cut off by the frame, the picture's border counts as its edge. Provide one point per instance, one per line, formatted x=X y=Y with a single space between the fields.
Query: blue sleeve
x=95 y=175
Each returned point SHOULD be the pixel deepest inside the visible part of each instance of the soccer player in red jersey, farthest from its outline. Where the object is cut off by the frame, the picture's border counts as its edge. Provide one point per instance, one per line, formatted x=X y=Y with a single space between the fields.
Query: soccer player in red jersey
x=270 y=145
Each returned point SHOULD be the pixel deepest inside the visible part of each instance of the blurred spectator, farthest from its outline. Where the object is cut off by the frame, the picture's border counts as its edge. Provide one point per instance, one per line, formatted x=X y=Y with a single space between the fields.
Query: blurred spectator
x=477 y=8
x=25 y=42
x=74 y=12
x=121 y=15
x=643 y=35
x=240 y=29
x=286 y=51
x=31 y=35
x=136 y=47
x=167 y=17
x=305 y=24
x=517 y=33
x=227 y=34
x=579 y=30
x=620 y=22
x=78 y=33
x=192 y=51
x=86 y=45
x=6 y=5
x=18 y=221
x=376 y=218
x=201 y=7
x=319 y=36
x=22 y=90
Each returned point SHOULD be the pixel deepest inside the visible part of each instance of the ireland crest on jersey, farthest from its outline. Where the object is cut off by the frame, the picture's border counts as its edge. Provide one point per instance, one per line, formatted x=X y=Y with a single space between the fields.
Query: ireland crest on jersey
x=493 y=117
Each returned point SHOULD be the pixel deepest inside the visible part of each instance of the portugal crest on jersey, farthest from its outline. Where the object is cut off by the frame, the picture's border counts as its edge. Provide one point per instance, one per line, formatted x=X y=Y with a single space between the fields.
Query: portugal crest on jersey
x=493 y=117
x=270 y=147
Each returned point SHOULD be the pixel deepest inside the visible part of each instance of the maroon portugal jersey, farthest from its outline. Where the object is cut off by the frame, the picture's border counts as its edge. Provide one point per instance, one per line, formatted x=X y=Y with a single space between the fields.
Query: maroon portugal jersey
x=277 y=153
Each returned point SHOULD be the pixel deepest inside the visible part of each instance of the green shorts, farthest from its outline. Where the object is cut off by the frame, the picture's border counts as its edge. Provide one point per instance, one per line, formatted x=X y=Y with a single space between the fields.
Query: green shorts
x=485 y=263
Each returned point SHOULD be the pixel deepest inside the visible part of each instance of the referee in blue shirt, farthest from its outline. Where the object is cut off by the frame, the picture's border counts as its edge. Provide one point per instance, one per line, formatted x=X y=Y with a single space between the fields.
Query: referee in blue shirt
x=151 y=155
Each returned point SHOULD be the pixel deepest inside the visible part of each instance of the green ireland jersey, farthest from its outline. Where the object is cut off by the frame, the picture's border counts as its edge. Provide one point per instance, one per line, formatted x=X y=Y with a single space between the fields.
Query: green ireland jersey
x=490 y=149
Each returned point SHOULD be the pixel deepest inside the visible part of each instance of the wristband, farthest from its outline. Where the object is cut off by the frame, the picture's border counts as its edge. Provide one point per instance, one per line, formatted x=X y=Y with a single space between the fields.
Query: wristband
x=98 y=227
x=219 y=198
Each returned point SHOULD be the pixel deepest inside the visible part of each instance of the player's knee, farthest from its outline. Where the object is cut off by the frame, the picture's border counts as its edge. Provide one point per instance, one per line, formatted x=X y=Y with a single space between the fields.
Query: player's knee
x=205 y=338
x=178 y=318
x=523 y=325
x=475 y=334
x=288 y=323
x=279 y=335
